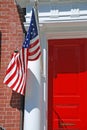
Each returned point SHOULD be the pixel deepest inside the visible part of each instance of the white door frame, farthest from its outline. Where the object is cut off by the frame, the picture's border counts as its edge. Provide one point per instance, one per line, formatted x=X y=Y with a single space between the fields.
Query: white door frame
x=57 y=30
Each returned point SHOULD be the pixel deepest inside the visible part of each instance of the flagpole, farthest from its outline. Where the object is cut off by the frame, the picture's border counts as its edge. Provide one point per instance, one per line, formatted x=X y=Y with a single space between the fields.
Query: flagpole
x=36 y=8
x=36 y=4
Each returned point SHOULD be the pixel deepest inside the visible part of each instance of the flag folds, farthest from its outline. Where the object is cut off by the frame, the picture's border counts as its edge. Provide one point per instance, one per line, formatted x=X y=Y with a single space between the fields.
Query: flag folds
x=16 y=72
x=17 y=69
x=32 y=41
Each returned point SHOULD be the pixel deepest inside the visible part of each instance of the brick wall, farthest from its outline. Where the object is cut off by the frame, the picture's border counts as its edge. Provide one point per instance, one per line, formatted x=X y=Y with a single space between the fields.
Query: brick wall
x=11 y=37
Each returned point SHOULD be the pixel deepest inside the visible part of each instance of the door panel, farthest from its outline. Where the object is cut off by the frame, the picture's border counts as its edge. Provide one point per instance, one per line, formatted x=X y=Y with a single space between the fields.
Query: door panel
x=67 y=84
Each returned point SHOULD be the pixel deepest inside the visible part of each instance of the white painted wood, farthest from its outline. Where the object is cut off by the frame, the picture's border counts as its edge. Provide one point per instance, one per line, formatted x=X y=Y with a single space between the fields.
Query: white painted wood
x=33 y=97
x=24 y=3
x=64 y=30
x=58 y=16
x=44 y=82
x=44 y=62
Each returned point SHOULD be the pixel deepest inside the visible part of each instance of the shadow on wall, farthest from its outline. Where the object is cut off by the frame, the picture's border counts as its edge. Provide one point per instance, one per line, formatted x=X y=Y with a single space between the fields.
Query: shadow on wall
x=17 y=101
x=22 y=17
x=1 y=128
x=0 y=48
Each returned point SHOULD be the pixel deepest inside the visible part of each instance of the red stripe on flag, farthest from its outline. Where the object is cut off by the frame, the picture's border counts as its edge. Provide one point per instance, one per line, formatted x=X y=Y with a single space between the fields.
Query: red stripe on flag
x=34 y=43
x=35 y=57
x=16 y=72
x=34 y=52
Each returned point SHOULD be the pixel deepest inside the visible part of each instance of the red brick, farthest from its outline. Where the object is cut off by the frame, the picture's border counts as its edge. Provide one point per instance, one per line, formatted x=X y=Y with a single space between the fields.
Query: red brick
x=11 y=38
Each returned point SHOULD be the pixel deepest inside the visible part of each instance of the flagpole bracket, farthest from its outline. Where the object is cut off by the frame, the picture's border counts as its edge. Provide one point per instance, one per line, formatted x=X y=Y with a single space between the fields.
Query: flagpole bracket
x=35 y=3
x=16 y=51
x=43 y=78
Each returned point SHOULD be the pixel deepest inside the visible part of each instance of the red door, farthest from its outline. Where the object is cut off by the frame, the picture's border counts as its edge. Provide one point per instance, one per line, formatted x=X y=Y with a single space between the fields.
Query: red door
x=67 y=84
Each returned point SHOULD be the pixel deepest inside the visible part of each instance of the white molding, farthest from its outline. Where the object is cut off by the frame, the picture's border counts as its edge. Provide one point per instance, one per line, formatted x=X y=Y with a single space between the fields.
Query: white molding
x=65 y=30
x=70 y=29
x=56 y=15
x=24 y=3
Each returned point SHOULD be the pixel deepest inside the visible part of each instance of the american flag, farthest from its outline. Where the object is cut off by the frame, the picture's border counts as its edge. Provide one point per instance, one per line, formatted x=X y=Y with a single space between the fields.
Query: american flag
x=16 y=72
x=32 y=41
x=17 y=69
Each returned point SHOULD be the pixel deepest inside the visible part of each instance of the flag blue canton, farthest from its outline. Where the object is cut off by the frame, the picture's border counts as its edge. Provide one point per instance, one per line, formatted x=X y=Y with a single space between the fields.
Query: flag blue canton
x=32 y=31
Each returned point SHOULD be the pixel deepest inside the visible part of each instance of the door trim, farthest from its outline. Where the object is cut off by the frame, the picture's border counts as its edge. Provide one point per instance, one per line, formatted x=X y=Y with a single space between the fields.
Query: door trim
x=63 y=30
